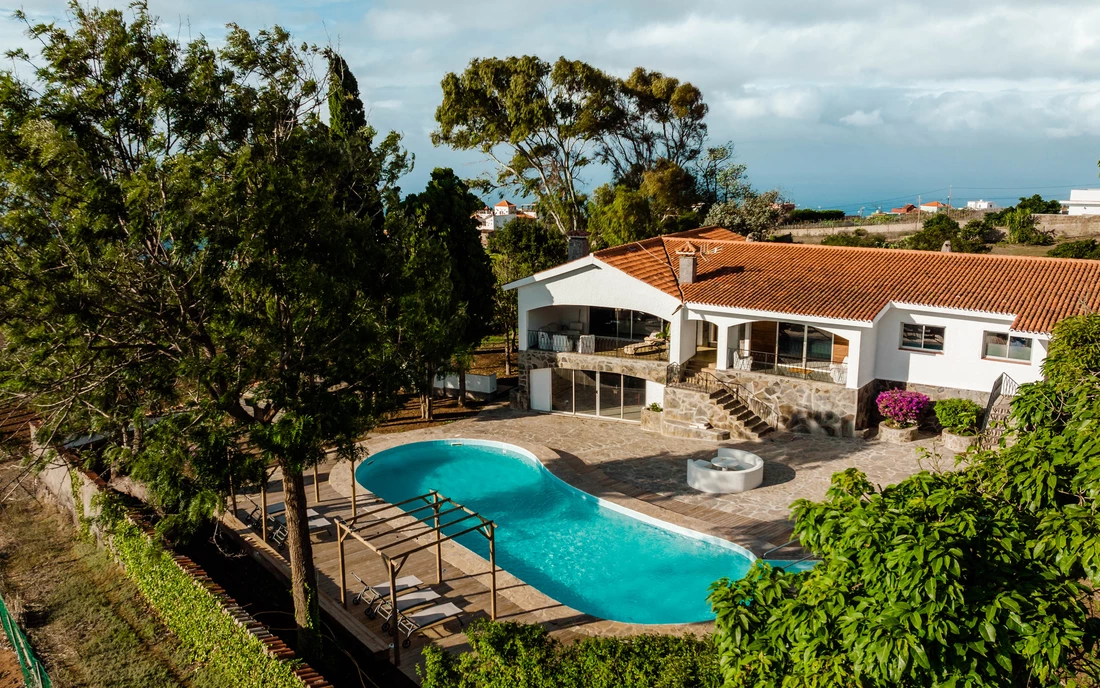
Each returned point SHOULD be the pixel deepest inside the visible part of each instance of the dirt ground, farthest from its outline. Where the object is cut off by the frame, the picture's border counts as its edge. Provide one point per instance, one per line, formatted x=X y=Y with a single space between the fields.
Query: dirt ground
x=84 y=618
x=10 y=674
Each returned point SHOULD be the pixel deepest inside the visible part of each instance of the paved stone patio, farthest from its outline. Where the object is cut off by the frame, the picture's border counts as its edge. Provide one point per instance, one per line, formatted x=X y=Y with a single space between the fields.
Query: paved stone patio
x=621 y=457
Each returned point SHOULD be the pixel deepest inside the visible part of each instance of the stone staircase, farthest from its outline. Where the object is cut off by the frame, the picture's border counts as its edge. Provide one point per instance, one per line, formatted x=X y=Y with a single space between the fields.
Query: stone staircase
x=700 y=397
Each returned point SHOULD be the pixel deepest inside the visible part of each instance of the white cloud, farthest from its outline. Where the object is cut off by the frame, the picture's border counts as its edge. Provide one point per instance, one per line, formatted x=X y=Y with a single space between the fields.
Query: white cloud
x=859 y=118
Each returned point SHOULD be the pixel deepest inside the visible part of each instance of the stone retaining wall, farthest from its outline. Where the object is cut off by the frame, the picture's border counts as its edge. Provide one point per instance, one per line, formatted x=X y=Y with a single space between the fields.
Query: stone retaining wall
x=655 y=371
x=820 y=408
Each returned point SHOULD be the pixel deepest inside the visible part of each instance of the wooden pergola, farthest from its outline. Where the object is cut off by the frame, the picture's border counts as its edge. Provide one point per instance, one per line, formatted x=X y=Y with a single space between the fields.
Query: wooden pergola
x=426 y=520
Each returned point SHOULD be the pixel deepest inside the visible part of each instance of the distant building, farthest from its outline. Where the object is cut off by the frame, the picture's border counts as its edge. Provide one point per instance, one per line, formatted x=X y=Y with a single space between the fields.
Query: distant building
x=1083 y=202
x=933 y=207
x=904 y=210
x=492 y=219
x=981 y=205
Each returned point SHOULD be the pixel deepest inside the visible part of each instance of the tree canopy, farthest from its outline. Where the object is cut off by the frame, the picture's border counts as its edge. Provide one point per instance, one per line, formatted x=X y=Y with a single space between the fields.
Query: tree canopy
x=941 y=228
x=190 y=257
x=549 y=119
x=980 y=576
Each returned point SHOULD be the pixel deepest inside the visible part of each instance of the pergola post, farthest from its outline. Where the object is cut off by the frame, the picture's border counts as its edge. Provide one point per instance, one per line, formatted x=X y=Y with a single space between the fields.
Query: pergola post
x=263 y=508
x=438 y=540
x=394 y=625
x=340 y=535
x=316 y=484
x=492 y=570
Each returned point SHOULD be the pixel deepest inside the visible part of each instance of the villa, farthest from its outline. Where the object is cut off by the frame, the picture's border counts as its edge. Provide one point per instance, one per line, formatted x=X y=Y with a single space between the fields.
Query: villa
x=733 y=338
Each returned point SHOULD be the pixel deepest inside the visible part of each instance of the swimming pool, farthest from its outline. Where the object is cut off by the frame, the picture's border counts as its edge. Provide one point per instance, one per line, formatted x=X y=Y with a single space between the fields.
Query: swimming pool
x=592 y=555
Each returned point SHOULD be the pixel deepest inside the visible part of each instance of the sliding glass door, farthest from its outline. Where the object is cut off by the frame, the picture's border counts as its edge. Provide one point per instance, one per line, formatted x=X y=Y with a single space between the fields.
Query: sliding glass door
x=591 y=393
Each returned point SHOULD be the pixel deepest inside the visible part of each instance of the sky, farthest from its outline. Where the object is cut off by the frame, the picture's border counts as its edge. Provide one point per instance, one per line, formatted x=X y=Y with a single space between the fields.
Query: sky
x=839 y=103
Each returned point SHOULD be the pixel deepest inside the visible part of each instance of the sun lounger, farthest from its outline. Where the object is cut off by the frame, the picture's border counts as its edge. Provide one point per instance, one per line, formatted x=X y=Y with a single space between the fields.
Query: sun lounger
x=424 y=619
x=373 y=593
x=409 y=600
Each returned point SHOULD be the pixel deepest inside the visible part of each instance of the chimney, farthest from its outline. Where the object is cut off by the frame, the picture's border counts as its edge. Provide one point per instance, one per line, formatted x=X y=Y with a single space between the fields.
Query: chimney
x=946 y=248
x=578 y=245
x=688 y=263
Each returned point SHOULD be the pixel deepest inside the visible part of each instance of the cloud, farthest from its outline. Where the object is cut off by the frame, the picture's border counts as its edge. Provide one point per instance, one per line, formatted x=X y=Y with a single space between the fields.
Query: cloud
x=859 y=118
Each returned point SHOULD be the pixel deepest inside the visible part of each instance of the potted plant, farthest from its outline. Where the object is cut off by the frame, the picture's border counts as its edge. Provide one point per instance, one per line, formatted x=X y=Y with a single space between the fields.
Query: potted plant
x=902 y=410
x=651 y=417
x=959 y=418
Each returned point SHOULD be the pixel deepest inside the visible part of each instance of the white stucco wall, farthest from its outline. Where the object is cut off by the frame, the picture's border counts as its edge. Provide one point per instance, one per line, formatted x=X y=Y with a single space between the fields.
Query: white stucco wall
x=594 y=284
x=654 y=393
x=960 y=365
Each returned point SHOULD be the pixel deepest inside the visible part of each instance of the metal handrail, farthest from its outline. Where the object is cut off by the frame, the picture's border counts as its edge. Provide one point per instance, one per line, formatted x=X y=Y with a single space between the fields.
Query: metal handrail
x=820 y=370
x=675 y=376
x=562 y=342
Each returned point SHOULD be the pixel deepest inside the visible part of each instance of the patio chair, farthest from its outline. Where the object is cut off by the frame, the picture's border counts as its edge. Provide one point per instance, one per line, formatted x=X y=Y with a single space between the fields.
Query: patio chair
x=371 y=594
x=425 y=619
x=409 y=600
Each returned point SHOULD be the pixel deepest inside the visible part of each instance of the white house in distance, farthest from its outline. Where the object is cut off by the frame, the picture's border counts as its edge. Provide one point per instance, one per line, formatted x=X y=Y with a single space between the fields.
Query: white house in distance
x=981 y=205
x=1083 y=202
x=733 y=337
x=492 y=219
x=933 y=207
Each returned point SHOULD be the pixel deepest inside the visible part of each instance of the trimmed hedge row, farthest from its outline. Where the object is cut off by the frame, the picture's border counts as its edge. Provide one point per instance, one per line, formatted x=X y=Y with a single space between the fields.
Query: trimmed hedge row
x=508 y=654
x=194 y=614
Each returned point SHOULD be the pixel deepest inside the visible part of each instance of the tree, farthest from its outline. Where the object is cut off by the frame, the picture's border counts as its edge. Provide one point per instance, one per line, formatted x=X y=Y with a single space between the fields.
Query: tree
x=656 y=118
x=1037 y=205
x=750 y=213
x=178 y=242
x=857 y=237
x=717 y=177
x=1022 y=228
x=618 y=215
x=1084 y=248
x=448 y=276
x=940 y=228
x=549 y=118
x=982 y=576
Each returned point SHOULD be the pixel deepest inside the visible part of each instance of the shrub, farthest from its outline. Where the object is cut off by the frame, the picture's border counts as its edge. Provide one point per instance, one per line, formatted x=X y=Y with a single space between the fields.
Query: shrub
x=858 y=237
x=1023 y=230
x=813 y=215
x=902 y=407
x=655 y=407
x=1085 y=248
x=959 y=416
x=507 y=654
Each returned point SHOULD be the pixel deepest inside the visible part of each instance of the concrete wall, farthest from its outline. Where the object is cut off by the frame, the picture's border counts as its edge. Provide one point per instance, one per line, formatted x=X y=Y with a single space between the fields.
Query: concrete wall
x=1063 y=226
x=960 y=365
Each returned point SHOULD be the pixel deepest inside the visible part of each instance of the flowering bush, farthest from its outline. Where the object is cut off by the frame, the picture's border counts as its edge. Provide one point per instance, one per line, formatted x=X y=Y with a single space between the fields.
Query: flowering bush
x=902 y=408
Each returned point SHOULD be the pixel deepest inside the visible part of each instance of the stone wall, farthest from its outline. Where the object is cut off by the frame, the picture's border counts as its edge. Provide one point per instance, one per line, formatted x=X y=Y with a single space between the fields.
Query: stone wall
x=868 y=395
x=529 y=360
x=819 y=408
x=1070 y=226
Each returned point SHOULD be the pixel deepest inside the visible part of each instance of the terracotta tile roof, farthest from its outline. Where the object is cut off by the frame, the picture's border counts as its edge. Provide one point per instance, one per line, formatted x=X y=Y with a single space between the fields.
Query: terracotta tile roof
x=505 y=204
x=857 y=283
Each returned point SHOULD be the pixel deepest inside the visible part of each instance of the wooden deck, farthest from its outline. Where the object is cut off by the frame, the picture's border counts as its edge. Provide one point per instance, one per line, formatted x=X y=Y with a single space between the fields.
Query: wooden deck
x=469 y=592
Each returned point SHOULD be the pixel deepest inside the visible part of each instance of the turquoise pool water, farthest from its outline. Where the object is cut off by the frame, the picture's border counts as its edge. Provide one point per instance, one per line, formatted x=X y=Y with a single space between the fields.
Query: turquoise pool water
x=591 y=555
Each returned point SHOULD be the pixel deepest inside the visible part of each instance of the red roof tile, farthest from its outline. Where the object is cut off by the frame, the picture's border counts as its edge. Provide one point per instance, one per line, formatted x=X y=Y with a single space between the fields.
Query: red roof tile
x=856 y=283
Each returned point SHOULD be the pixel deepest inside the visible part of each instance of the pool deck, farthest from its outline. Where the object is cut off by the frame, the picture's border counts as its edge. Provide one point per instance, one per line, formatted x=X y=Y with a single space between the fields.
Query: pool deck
x=613 y=460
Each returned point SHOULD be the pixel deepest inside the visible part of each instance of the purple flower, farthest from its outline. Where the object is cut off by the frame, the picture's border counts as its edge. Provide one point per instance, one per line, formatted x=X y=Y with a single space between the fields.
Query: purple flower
x=902 y=407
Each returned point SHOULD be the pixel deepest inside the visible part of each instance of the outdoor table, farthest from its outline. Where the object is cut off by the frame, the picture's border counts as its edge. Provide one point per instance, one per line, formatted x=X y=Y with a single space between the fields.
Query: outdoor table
x=728 y=463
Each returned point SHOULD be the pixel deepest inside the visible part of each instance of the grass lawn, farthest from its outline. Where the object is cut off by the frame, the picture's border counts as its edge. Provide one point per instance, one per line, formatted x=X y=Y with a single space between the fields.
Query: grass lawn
x=86 y=620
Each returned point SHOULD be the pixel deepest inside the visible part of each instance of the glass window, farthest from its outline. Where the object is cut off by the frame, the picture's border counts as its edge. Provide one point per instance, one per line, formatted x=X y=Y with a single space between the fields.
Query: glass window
x=633 y=397
x=792 y=340
x=585 y=391
x=819 y=345
x=922 y=337
x=561 y=390
x=1003 y=345
x=611 y=395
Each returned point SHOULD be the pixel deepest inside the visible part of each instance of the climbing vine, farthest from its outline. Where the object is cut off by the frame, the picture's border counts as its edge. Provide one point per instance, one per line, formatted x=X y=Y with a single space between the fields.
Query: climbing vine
x=191 y=612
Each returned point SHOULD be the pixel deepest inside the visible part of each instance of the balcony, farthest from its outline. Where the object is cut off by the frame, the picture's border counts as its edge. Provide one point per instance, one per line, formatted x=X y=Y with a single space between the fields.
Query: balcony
x=650 y=349
x=789 y=366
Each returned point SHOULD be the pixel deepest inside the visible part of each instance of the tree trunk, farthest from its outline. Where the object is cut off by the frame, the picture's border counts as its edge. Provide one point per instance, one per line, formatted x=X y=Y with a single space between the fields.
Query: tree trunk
x=426 y=410
x=303 y=574
x=508 y=352
x=462 y=382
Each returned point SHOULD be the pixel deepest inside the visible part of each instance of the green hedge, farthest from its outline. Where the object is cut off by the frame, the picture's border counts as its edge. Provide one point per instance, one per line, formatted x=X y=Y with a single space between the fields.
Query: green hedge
x=508 y=654
x=195 y=615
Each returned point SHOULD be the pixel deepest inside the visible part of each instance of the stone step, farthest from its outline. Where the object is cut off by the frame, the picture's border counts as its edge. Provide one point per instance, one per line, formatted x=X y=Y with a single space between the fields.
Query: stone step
x=684 y=430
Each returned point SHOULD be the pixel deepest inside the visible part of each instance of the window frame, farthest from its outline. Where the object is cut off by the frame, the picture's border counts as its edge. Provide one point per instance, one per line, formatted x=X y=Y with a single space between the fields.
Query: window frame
x=1008 y=347
x=923 y=337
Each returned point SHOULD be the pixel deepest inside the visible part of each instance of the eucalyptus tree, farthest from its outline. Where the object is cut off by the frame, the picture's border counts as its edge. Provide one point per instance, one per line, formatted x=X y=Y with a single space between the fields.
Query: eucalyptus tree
x=657 y=118
x=539 y=123
x=182 y=237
